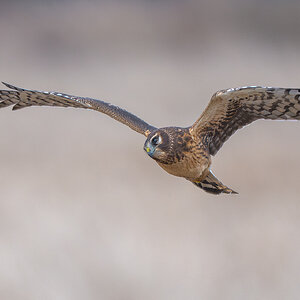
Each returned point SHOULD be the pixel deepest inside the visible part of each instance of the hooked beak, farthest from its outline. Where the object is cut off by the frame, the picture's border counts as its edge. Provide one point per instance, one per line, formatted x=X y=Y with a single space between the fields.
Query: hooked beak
x=149 y=149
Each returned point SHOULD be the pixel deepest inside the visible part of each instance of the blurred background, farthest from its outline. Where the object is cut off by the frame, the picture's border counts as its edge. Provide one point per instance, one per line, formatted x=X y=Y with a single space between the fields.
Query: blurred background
x=85 y=214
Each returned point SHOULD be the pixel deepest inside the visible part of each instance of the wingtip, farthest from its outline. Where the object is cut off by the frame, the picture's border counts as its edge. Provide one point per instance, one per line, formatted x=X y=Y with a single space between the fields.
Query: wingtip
x=10 y=86
x=6 y=84
x=229 y=191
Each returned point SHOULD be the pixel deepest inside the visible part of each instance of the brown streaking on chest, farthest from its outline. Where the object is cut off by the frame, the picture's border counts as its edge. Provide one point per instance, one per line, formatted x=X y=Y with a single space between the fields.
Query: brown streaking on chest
x=187 y=157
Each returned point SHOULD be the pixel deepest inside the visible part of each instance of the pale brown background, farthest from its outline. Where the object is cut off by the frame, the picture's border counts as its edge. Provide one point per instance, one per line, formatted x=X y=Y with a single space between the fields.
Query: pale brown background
x=85 y=214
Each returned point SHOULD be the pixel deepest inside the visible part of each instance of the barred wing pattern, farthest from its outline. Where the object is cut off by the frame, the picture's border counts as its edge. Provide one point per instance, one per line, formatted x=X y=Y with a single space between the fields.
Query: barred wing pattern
x=21 y=98
x=229 y=110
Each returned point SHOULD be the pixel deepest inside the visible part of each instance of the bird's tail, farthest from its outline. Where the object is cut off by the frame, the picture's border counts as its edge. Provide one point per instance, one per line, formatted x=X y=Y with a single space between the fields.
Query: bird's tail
x=212 y=185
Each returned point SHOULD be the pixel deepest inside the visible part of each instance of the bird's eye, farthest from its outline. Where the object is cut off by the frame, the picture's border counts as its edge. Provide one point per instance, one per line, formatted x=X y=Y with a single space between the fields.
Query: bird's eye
x=155 y=140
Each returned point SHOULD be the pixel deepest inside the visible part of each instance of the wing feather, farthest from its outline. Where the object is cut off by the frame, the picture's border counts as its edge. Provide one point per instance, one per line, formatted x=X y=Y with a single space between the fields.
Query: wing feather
x=21 y=98
x=229 y=110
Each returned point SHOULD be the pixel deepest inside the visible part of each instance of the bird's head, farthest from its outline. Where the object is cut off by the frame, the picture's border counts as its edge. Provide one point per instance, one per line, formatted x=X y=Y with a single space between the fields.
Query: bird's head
x=159 y=145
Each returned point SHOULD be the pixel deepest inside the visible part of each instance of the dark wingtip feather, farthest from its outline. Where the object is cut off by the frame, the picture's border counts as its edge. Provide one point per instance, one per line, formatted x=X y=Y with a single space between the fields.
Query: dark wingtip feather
x=12 y=86
x=8 y=85
x=229 y=191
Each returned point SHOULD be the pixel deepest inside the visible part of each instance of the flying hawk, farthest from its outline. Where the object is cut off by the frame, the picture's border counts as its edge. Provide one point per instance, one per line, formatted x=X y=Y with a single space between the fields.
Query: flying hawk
x=183 y=152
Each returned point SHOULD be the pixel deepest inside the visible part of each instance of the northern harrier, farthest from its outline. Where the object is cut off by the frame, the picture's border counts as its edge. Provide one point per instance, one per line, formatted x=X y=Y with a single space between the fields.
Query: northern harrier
x=183 y=152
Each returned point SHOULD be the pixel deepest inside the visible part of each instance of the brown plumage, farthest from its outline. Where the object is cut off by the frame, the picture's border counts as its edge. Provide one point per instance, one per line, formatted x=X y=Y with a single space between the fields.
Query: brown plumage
x=183 y=152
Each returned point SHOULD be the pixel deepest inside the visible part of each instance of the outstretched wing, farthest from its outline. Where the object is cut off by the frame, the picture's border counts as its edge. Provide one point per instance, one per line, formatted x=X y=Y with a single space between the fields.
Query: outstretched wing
x=229 y=110
x=21 y=98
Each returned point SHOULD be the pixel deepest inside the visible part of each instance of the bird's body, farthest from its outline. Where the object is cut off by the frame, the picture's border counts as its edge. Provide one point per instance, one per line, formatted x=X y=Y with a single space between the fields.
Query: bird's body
x=183 y=152
x=186 y=158
x=194 y=167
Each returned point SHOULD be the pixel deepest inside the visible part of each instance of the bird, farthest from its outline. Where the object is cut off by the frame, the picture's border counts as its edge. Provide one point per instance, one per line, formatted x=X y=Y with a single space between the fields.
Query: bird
x=182 y=151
